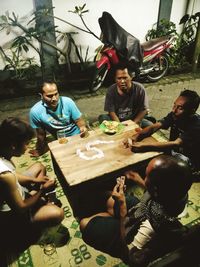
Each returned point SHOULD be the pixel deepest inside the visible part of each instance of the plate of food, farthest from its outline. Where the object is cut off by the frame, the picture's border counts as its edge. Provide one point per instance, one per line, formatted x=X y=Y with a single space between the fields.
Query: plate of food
x=111 y=127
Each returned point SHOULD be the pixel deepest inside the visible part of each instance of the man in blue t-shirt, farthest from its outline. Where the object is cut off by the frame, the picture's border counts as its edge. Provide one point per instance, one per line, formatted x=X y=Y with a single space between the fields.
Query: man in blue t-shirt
x=53 y=113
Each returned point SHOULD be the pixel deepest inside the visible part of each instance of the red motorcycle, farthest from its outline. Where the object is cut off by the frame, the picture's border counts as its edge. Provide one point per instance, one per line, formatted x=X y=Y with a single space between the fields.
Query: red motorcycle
x=149 y=59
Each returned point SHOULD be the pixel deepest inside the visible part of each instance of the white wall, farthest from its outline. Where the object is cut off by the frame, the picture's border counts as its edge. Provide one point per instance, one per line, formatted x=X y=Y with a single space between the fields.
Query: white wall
x=194 y=6
x=23 y=10
x=21 y=7
x=135 y=16
x=179 y=10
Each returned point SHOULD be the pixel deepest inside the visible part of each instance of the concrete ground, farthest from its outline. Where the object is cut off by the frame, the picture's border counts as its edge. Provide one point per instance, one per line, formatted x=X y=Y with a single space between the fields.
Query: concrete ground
x=161 y=97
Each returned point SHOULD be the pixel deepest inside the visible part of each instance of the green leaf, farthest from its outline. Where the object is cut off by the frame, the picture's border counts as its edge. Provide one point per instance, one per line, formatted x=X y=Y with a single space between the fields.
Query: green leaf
x=14 y=16
x=184 y=19
x=31 y=30
x=4 y=18
x=60 y=38
x=83 y=6
x=197 y=14
x=8 y=30
x=85 y=11
x=7 y=67
x=33 y=19
x=25 y=47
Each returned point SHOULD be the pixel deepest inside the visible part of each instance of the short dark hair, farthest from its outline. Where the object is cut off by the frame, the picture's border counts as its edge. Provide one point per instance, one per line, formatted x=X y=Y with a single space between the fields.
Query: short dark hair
x=44 y=83
x=14 y=131
x=192 y=97
x=171 y=176
x=121 y=66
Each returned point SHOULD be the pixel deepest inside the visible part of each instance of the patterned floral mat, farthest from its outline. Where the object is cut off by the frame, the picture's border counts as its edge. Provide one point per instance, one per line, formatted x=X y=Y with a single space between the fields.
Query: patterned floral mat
x=76 y=253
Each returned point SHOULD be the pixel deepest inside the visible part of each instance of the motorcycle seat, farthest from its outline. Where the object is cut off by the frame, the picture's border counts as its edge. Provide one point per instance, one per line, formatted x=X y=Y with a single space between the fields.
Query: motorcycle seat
x=153 y=43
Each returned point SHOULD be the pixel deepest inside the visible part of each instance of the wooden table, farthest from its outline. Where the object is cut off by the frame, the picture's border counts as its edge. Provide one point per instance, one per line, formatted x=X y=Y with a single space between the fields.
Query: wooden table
x=78 y=174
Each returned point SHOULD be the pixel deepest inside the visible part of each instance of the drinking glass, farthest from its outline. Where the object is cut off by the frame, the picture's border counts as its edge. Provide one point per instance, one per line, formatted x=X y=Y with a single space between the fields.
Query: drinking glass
x=62 y=136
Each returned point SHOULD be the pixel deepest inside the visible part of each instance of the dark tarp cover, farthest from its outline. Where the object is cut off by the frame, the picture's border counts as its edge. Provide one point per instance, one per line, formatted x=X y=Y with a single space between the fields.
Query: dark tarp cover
x=127 y=46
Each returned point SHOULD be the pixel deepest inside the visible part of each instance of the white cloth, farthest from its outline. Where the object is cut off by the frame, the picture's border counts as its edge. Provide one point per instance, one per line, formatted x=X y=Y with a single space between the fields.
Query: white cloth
x=144 y=234
x=7 y=166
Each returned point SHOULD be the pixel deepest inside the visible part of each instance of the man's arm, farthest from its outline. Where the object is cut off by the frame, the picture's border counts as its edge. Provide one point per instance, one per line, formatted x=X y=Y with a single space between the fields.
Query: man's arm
x=140 y=134
x=147 y=131
x=156 y=146
x=118 y=195
x=109 y=104
x=114 y=116
x=135 y=177
x=80 y=122
x=141 y=102
x=26 y=180
x=13 y=197
x=41 y=143
x=140 y=116
x=76 y=116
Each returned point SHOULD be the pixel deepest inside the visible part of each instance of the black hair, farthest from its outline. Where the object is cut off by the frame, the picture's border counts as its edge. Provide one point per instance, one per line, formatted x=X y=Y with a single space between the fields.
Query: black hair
x=44 y=83
x=14 y=131
x=172 y=178
x=193 y=99
x=121 y=66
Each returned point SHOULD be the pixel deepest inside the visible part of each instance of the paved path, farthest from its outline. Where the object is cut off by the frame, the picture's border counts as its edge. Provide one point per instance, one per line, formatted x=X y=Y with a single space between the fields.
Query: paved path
x=161 y=97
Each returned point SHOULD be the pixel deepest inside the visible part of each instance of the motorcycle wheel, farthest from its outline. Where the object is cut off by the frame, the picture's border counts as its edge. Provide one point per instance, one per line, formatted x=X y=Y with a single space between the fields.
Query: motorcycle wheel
x=99 y=77
x=160 y=68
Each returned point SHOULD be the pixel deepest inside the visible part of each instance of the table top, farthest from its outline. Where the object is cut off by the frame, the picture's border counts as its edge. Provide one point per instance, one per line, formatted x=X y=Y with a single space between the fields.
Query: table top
x=113 y=156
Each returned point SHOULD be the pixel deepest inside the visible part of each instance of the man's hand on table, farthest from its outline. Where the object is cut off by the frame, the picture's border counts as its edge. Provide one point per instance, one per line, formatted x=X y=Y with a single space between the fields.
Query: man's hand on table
x=138 y=147
x=135 y=146
x=129 y=141
x=83 y=131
